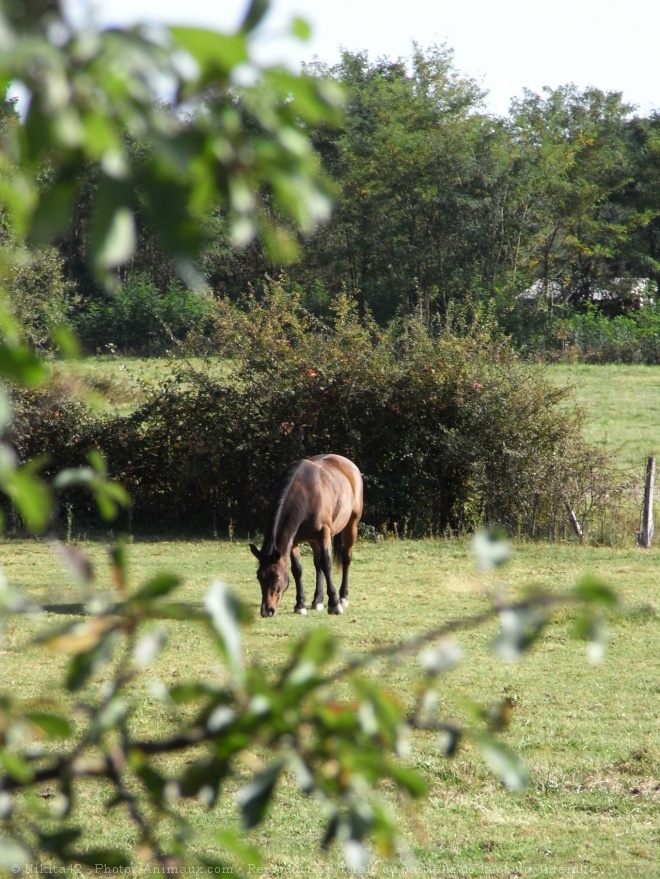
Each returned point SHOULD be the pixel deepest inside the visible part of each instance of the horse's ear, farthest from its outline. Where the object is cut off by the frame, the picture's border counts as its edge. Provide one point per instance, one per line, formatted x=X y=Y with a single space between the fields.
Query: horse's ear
x=255 y=552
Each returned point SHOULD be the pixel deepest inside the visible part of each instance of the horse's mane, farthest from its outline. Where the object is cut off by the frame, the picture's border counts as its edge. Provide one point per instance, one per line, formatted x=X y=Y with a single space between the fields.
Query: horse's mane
x=280 y=497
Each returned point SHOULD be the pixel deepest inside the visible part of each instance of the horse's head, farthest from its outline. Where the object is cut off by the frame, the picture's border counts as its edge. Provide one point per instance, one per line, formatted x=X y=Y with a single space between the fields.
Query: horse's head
x=273 y=578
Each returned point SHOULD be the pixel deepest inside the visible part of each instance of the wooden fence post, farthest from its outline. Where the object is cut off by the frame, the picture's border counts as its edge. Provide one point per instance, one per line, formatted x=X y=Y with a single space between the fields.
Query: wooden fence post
x=645 y=536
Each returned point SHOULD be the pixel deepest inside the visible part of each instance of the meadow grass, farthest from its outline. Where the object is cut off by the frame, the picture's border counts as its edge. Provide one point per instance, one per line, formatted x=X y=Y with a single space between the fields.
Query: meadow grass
x=118 y=384
x=622 y=405
x=589 y=734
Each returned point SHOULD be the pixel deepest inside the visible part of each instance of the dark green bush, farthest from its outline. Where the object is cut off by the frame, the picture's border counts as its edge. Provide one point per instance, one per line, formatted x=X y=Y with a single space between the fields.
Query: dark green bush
x=41 y=297
x=628 y=338
x=589 y=336
x=140 y=319
x=450 y=431
x=50 y=427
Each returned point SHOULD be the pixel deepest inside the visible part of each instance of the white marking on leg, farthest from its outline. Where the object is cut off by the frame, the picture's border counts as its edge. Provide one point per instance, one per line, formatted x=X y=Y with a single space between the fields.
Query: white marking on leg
x=318 y=605
x=302 y=611
x=344 y=601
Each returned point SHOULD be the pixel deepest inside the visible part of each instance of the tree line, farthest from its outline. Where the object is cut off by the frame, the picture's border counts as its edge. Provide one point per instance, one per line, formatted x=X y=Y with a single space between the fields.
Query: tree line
x=439 y=200
x=436 y=201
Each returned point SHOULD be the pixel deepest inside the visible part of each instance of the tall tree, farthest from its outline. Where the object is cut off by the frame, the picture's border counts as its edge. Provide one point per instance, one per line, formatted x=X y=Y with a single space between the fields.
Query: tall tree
x=640 y=254
x=571 y=162
x=413 y=165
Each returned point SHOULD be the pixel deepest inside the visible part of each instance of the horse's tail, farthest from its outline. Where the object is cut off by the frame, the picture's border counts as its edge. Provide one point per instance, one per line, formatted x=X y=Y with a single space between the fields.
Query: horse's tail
x=337 y=548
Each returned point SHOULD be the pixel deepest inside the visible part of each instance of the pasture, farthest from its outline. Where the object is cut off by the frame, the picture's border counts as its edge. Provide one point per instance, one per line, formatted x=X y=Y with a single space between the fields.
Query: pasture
x=119 y=384
x=589 y=734
x=622 y=404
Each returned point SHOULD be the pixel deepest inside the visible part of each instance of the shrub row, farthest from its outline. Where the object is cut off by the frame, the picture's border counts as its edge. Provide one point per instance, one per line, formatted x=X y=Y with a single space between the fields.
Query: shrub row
x=592 y=337
x=589 y=336
x=449 y=431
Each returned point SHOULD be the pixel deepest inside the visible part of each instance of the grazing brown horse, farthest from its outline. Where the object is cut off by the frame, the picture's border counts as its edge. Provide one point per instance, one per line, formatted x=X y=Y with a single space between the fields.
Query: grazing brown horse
x=318 y=500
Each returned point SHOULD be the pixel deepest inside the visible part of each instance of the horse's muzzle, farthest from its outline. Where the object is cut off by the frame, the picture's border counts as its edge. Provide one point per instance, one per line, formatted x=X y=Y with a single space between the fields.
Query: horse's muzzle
x=267 y=611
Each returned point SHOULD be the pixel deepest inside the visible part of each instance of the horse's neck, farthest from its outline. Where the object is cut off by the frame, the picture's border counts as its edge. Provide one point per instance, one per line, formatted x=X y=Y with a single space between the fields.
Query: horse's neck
x=285 y=515
x=280 y=535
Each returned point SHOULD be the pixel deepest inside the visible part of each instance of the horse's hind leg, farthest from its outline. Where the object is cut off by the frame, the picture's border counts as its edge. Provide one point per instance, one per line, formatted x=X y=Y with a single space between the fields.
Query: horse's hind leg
x=296 y=570
x=317 y=603
x=349 y=536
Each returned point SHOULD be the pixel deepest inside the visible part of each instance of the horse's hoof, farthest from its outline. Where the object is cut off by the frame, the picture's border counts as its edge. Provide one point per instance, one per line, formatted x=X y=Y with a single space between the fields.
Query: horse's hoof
x=301 y=610
x=335 y=608
x=318 y=605
x=344 y=602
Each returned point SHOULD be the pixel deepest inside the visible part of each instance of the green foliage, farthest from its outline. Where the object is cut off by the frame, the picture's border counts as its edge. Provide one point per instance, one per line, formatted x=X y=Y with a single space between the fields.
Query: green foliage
x=587 y=335
x=641 y=249
x=438 y=202
x=245 y=147
x=571 y=166
x=41 y=298
x=413 y=163
x=139 y=319
x=449 y=431
x=592 y=337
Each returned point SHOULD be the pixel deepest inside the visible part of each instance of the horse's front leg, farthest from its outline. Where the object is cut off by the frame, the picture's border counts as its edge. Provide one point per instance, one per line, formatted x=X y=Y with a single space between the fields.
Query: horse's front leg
x=334 y=604
x=296 y=570
x=317 y=603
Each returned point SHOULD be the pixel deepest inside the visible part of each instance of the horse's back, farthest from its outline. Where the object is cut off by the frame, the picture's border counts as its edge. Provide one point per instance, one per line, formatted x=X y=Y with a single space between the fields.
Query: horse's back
x=338 y=465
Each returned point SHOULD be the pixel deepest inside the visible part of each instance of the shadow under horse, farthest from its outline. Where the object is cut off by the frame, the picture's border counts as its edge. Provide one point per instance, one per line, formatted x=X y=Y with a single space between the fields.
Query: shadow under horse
x=319 y=501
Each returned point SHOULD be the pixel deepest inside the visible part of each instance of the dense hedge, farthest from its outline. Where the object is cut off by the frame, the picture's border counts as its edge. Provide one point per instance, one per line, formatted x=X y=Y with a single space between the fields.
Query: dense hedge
x=586 y=335
x=591 y=337
x=450 y=431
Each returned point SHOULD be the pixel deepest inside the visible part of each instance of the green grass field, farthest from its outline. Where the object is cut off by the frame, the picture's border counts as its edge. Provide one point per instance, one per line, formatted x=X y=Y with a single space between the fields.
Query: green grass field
x=622 y=404
x=119 y=384
x=590 y=734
